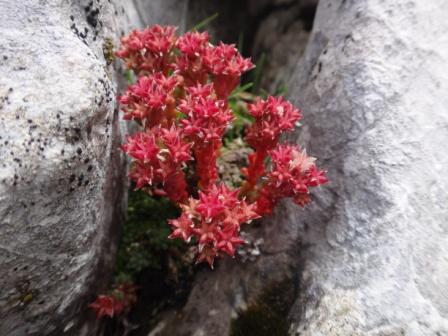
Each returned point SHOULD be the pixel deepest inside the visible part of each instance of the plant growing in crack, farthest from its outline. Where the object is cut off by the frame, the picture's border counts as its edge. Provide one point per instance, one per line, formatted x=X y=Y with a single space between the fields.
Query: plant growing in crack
x=186 y=100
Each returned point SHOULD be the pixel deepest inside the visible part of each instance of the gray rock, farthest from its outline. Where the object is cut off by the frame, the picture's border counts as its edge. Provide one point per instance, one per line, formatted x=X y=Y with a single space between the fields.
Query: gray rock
x=62 y=175
x=372 y=85
x=280 y=40
x=141 y=13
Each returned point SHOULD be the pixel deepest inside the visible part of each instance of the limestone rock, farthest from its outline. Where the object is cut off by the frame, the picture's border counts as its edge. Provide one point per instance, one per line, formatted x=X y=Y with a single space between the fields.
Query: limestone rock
x=280 y=40
x=372 y=85
x=142 y=13
x=62 y=176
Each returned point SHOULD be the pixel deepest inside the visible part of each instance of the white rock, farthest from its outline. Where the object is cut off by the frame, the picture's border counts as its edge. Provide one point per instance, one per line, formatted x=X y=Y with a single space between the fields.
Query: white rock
x=62 y=176
x=373 y=86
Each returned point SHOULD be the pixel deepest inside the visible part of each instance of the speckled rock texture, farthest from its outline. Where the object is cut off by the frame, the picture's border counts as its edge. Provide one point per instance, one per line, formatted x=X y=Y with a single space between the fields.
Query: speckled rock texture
x=372 y=85
x=62 y=176
x=369 y=256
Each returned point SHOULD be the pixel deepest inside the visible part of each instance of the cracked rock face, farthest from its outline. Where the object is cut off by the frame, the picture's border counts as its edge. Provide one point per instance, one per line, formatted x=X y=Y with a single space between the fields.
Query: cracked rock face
x=280 y=39
x=372 y=85
x=61 y=173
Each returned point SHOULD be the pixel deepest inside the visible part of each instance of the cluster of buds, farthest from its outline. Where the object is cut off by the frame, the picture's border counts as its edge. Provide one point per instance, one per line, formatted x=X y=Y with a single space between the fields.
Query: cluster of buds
x=149 y=50
x=120 y=300
x=190 y=63
x=205 y=123
x=293 y=173
x=272 y=117
x=214 y=220
x=181 y=103
x=151 y=101
x=159 y=157
x=226 y=65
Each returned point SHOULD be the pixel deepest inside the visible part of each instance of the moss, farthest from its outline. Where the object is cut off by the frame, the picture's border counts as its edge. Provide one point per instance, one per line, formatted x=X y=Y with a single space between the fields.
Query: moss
x=161 y=268
x=267 y=316
x=108 y=50
x=144 y=241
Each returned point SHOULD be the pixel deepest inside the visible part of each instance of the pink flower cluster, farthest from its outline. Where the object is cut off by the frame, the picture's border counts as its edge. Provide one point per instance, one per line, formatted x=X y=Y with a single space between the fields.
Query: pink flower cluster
x=181 y=102
x=159 y=155
x=151 y=100
x=214 y=221
x=148 y=50
x=120 y=300
x=292 y=174
x=206 y=121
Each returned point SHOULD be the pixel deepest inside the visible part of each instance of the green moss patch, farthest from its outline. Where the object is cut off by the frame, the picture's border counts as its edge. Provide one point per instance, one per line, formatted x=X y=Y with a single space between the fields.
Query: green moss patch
x=267 y=316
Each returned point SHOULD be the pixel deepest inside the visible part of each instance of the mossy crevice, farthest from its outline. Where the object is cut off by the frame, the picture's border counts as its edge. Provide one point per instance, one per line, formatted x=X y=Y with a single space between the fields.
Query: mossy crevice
x=160 y=268
x=268 y=314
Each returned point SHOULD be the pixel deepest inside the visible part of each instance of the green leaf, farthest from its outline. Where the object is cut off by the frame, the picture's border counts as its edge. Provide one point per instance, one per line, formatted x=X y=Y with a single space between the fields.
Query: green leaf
x=244 y=115
x=205 y=22
x=263 y=93
x=129 y=75
x=258 y=73
x=180 y=116
x=281 y=90
x=240 y=88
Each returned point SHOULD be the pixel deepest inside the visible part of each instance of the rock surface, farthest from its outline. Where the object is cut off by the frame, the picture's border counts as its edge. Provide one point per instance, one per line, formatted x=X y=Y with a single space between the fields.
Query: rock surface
x=282 y=33
x=373 y=86
x=141 y=13
x=61 y=174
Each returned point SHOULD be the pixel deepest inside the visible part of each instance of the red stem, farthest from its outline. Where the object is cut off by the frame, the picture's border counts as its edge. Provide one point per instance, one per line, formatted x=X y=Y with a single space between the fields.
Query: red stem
x=254 y=171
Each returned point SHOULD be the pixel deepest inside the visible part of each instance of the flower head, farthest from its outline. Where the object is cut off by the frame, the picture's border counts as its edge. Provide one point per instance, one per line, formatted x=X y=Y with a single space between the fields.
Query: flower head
x=293 y=173
x=172 y=139
x=142 y=147
x=159 y=155
x=123 y=297
x=193 y=44
x=159 y=39
x=226 y=65
x=106 y=305
x=151 y=100
x=225 y=59
x=272 y=117
x=148 y=50
x=214 y=219
x=206 y=117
